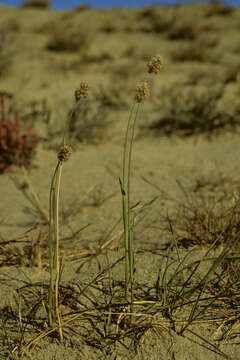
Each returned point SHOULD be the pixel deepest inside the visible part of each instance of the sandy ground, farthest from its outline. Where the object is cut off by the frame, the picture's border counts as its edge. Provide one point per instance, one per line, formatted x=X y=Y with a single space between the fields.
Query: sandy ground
x=115 y=56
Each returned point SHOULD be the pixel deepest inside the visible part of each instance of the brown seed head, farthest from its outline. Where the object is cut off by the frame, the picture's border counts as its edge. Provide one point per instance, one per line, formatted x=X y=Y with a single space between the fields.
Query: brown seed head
x=142 y=92
x=82 y=92
x=65 y=153
x=155 y=64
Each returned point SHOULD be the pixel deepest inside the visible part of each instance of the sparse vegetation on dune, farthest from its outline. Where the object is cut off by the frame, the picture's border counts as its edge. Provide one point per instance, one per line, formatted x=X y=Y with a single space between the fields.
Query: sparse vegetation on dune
x=112 y=297
x=193 y=111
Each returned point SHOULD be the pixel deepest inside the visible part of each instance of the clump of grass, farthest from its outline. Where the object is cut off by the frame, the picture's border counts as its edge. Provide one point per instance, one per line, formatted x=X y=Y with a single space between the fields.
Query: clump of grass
x=29 y=250
x=96 y=313
x=142 y=93
x=17 y=145
x=229 y=281
x=63 y=155
x=206 y=218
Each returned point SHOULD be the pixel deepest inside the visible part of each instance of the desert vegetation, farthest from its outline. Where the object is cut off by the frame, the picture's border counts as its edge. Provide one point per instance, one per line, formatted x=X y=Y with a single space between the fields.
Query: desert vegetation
x=117 y=291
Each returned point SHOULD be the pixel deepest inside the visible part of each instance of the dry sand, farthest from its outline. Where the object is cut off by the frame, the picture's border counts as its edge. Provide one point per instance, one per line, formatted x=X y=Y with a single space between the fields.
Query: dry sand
x=119 y=47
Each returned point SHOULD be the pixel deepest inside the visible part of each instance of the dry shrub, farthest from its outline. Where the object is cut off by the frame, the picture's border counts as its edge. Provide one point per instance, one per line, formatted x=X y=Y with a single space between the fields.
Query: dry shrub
x=191 y=110
x=200 y=50
x=68 y=40
x=183 y=31
x=149 y=13
x=218 y=9
x=205 y=219
x=109 y=27
x=37 y=4
x=209 y=213
x=229 y=282
x=189 y=52
x=157 y=21
x=231 y=266
x=82 y=7
x=232 y=74
x=17 y=144
x=30 y=249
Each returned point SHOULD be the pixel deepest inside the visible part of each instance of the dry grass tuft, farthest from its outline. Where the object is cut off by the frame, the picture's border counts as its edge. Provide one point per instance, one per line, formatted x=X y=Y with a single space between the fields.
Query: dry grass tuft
x=29 y=250
x=208 y=214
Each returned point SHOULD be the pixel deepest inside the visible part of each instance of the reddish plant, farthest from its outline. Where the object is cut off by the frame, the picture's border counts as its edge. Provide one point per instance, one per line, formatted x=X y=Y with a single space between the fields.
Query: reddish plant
x=16 y=144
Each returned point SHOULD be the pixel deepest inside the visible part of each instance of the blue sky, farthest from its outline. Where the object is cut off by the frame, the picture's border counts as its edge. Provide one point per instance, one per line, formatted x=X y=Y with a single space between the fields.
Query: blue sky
x=68 y=4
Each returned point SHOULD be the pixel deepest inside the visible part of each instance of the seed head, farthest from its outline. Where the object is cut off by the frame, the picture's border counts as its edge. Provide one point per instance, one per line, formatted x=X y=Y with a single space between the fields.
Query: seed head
x=82 y=91
x=155 y=64
x=142 y=92
x=65 y=153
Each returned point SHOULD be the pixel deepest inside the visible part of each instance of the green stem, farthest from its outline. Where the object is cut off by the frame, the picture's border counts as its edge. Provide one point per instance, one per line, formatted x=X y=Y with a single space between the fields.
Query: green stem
x=128 y=223
x=125 y=205
x=56 y=223
x=51 y=318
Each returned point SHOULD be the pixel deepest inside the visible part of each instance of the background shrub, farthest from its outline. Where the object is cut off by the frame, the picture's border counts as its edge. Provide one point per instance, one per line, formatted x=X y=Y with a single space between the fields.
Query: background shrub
x=17 y=144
